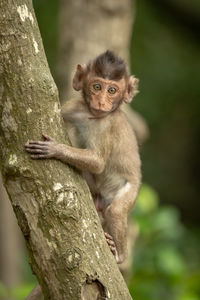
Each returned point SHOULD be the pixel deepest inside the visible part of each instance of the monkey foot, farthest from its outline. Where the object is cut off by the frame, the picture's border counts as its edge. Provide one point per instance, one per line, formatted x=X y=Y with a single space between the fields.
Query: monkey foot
x=111 y=245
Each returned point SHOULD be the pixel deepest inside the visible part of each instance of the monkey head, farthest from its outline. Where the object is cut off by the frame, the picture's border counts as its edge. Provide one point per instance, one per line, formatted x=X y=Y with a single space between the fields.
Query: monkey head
x=105 y=83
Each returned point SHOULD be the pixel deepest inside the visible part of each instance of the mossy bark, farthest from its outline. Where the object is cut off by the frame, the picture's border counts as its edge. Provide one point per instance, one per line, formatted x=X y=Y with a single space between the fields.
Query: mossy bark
x=55 y=211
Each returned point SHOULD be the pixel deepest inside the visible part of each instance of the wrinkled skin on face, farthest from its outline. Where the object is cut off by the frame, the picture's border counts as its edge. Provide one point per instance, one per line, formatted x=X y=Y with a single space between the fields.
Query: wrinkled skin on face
x=105 y=95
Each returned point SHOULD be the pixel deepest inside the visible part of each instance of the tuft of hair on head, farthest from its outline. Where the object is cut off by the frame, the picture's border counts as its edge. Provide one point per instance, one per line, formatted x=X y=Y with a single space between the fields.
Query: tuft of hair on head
x=109 y=65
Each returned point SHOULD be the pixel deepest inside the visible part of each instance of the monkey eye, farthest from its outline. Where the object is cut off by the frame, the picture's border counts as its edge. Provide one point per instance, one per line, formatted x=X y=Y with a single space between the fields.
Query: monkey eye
x=97 y=86
x=112 y=90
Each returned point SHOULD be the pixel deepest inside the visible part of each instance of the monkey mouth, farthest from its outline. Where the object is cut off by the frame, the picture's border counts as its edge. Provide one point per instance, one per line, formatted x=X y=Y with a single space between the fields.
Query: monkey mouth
x=98 y=112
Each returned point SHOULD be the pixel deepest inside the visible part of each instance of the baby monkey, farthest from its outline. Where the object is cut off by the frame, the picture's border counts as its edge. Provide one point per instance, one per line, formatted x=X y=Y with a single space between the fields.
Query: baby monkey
x=104 y=145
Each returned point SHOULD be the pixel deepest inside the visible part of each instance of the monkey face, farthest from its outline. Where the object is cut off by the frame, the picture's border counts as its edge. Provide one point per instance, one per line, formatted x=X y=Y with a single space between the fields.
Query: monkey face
x=105 y=83
x=105 y=95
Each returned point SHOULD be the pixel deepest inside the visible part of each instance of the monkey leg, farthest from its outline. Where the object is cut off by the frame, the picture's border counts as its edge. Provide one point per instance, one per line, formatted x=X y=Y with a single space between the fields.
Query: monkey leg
x=117 y=226
x=116 y=221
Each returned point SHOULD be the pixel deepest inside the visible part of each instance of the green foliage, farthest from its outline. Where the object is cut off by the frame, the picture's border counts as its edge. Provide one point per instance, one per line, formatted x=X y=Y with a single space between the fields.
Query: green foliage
x=3 y=291
x=17 y=293
x=21 y=291
x=163 y=266
x=165 y=56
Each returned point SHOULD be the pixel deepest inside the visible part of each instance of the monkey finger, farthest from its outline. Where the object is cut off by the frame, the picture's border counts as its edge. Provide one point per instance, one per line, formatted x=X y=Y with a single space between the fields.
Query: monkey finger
x=35 y=146
x=37 y=143
x=108 y=236
x=111 y=242
x=108 y=239
x=42 y=151
x=38 y=156
x=111 y=246
x=113 y=250
x=48 y=138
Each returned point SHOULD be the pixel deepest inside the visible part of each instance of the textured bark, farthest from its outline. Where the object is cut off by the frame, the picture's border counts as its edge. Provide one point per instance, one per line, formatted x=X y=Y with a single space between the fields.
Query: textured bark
x=66 y=244
x=88 y=28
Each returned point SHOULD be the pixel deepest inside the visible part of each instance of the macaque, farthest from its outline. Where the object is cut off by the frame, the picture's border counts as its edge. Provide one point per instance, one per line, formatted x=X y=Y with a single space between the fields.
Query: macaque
x=105 y=149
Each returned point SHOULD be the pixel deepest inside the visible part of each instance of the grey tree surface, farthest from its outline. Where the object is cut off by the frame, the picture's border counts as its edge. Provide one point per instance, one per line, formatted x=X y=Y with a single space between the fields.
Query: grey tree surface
x=67 y=249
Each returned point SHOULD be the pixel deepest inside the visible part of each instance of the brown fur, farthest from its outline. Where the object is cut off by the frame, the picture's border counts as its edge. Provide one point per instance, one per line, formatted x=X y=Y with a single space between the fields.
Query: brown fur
x=108 y=65
x=112 y=140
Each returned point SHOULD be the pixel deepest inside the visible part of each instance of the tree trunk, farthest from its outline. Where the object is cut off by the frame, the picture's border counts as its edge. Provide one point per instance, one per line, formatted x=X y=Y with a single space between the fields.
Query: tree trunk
x=66 y=244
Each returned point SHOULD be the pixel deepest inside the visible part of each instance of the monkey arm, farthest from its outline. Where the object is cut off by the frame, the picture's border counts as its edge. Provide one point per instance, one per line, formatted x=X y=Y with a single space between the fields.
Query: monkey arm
x=83 y=159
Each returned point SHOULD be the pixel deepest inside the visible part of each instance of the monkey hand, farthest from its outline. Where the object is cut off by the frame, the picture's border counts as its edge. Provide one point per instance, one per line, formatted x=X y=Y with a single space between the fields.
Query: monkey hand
x=42 y=149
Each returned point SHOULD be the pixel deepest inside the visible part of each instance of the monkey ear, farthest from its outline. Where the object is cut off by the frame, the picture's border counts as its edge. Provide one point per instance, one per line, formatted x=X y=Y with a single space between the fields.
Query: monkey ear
x=78 y=77
x=132 y=89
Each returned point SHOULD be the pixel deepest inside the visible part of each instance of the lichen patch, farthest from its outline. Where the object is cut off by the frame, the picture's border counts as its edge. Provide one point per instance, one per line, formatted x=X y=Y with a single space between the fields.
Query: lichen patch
x=60 y=197
x=97 y=254
x=6 y=46
x=19 y=61
x=70 y=258
x=24 y=13
x=24 y=36
x=8 y=123
x=56 y=108
x=57 y=186
x=85 y=223
x=29 y=110
x=84 y=234
x=12 y=159
x=35 y=45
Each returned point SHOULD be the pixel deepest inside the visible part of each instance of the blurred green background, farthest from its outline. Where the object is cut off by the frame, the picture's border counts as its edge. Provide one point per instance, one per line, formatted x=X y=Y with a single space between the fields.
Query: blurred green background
x=165 y=55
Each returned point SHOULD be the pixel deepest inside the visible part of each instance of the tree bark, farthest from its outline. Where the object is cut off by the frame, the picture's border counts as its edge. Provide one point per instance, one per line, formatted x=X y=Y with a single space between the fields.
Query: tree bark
x=66 y=244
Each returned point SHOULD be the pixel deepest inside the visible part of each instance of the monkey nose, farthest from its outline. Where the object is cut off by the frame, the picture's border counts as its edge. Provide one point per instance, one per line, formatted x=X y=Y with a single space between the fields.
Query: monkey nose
x=101 y=104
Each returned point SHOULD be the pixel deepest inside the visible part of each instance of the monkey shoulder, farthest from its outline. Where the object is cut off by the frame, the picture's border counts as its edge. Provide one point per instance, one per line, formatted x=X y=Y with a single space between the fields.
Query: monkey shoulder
x=72 y=109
